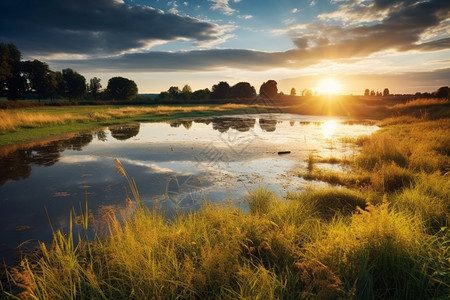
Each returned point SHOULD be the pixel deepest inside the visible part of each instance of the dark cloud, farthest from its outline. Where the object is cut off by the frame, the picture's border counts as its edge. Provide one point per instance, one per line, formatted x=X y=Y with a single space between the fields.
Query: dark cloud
x=402 y=26
x=93 y=26
x=213 y=59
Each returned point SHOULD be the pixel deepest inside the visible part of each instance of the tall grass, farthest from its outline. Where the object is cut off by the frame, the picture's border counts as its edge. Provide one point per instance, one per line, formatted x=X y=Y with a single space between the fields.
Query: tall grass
x=388 y=240
x=296 y=248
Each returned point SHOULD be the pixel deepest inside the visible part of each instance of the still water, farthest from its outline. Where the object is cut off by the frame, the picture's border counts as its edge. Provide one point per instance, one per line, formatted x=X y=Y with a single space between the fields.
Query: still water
x=176 y=165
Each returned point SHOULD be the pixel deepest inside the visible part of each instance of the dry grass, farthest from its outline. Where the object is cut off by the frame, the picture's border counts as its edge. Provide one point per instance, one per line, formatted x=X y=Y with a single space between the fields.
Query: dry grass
x=11 y=120
x=14 y=120
x=421 y=102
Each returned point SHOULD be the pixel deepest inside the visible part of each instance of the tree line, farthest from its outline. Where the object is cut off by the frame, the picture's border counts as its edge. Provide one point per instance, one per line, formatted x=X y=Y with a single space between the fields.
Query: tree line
x=18 y=78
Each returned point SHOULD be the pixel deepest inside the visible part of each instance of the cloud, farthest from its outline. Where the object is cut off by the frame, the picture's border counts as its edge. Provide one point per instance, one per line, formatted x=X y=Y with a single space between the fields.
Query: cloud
x=101 y=27
x=382 y=25
x=223 y=6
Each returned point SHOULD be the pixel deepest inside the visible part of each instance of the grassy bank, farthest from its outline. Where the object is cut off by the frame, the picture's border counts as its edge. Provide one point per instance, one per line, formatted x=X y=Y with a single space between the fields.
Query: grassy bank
x=25 y=124
x=384 y=236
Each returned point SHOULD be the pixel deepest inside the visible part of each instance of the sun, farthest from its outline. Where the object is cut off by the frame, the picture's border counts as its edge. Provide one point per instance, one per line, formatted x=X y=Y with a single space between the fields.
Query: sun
x=329 y=86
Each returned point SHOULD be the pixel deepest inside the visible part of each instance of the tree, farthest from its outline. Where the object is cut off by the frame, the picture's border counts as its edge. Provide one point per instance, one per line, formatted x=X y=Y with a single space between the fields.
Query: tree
x=307 y=92
x=293 y=92
x=242 y=90
x=372 y=93
x=94 y=87
x=201 y=94
x=40 y=78
x=386 y=92
x=71 y=84
x=443 y=92
x=11 y=78
x=366 y=92
x=186 y=92
x=220 y=90
x=175 y=92
x=122 y=88
x=268 y=89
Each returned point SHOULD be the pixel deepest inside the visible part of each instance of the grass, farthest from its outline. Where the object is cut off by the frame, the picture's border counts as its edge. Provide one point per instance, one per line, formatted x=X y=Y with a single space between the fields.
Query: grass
x=386 y=238
x=25 y=124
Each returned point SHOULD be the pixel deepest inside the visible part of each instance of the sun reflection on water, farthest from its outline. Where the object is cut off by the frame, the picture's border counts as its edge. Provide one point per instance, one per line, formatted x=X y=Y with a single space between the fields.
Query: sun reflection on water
x=329 y=128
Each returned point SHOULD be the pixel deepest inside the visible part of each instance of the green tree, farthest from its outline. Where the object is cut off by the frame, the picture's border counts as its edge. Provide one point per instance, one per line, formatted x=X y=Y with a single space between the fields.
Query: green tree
x=201 y=94
x=242 y=90
x=40 y=78
x=186 y=92
x=122 y=88
x=11 y=78
x=220 y=90
x=268 y=89
x=94 y=87
x=175 y=92
x=71 y=84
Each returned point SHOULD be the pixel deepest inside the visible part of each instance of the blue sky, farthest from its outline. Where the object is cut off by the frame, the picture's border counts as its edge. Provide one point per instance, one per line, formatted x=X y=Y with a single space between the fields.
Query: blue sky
x=400 y=44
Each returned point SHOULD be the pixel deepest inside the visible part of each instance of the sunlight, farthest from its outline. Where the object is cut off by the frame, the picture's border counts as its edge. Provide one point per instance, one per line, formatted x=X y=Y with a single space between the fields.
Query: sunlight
x=328 y=128
x=329 y=86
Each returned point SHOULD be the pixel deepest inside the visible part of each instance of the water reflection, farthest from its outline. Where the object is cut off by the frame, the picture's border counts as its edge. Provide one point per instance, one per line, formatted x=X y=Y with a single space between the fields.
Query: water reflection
x=16 y=165
x=124 y=132
x=176 y=166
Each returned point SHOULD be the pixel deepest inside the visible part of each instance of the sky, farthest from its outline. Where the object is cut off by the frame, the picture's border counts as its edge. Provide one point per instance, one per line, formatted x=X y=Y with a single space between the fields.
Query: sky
x=403 y=45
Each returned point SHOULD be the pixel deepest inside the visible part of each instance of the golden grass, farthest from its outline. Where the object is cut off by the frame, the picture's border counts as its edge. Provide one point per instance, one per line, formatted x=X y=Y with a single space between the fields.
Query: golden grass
x=11 y=120
x=421 y=102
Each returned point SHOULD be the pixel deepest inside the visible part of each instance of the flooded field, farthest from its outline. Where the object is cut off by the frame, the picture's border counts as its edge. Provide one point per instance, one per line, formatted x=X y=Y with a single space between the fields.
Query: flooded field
x=176 y=165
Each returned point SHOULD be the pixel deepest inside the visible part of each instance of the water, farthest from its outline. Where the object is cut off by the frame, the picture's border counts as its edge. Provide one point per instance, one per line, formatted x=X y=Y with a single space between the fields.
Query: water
x=176 y=166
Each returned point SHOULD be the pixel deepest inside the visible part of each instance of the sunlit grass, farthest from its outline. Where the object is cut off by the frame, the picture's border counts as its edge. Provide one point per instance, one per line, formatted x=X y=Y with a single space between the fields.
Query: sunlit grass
x=15 y=119
x=385 y=236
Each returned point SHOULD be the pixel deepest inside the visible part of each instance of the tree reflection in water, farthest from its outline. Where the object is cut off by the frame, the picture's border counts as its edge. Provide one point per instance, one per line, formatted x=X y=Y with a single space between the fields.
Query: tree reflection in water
x=124 y=132
x=17 y=164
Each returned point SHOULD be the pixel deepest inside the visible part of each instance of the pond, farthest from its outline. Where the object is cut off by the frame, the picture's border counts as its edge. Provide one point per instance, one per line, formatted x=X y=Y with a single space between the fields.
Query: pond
x=177 y=165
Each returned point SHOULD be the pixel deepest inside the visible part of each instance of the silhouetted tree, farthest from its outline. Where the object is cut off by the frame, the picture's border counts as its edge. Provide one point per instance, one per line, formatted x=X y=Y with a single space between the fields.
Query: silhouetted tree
x=366 y=92
x=201 y=94
x=220 y=90
x=242 y=90
x=293 y=92
x=174 y=91
x=186 y=92
x=11 y=78
x=122 y=88
x=71 y=84
x=386 y=92
x=372 y=93
x=443 y=92
x=268 y=89
x=94 y=87
x=165 y=96
x=40 y=78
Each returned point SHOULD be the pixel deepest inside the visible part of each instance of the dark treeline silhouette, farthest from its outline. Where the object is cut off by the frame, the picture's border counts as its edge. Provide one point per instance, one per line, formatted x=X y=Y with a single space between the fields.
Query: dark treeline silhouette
x=34 y=79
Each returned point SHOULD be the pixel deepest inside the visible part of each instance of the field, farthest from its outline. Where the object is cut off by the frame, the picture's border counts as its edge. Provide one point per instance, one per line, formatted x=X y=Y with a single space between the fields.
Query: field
x=380 y=232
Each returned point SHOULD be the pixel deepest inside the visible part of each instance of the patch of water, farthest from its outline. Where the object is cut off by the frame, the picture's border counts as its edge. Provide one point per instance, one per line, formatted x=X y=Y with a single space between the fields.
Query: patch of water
x=177 y=165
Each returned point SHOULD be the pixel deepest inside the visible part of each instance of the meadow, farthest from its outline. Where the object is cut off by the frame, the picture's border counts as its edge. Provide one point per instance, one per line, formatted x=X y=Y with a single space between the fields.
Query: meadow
x=378 y=232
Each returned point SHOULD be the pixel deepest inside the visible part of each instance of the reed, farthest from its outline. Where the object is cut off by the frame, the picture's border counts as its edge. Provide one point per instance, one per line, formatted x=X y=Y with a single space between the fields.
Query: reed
x=388 y=239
